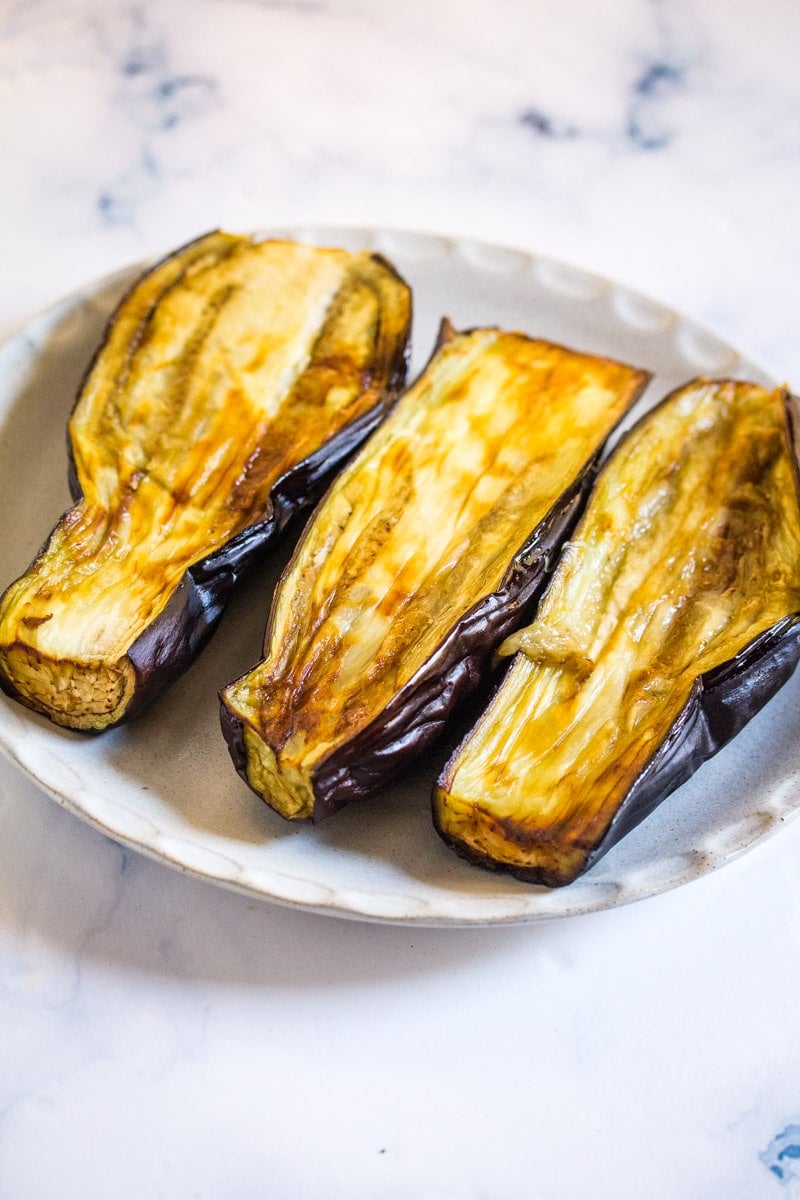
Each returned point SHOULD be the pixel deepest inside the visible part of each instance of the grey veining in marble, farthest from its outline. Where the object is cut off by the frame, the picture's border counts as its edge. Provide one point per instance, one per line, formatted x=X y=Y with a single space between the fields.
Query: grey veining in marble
x=595 y=133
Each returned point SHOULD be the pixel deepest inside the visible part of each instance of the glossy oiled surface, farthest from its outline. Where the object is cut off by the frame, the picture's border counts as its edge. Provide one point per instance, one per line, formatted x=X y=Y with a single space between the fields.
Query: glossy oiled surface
x=228 y=365
x=689 y=549
x=420 y=527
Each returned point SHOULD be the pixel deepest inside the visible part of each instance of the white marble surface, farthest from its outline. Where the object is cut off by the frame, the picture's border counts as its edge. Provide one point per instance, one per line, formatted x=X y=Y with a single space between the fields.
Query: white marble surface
x=161 y=1037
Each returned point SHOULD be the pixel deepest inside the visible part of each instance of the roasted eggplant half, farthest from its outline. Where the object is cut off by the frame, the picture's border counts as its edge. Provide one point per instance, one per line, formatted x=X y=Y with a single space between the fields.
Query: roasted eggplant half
x=422 y=557
x=673 y=616
x=233 y=380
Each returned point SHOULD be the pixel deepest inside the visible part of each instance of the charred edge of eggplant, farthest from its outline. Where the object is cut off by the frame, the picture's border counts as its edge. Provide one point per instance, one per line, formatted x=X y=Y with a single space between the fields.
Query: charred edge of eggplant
x=418 y=714
x=474 y=857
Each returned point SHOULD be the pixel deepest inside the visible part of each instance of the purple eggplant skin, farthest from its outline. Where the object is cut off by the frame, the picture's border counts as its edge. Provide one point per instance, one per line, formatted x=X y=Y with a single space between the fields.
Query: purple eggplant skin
x=720 y=705
x=174 y=638
x=418 y=714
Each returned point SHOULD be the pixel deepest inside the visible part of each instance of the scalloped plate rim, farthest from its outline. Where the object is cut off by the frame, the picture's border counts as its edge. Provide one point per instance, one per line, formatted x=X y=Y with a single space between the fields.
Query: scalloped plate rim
x=529 y=906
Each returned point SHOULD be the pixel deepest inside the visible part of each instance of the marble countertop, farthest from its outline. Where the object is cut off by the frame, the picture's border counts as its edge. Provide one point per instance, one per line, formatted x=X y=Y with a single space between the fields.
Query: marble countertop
x=164 y=1037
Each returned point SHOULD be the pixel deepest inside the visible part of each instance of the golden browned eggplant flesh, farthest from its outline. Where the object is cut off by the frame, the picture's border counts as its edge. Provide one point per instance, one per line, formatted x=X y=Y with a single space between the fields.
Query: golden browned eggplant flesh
x=671 y=619
x=233 y=379
x=425 y=553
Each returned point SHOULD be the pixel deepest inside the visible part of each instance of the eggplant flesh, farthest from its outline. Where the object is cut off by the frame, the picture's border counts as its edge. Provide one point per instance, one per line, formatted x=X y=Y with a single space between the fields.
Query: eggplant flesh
x=233 y=379
x=671 y=619
x=422 y=557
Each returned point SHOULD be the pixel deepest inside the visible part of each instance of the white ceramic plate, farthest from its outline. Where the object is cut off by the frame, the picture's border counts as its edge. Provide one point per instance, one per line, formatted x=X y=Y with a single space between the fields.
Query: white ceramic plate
x=165 y=784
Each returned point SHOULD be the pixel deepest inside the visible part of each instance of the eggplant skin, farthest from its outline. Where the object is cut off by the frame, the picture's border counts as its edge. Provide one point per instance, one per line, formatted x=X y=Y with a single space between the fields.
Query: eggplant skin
x=721 y=703
x=722 y=602
x=425 y=553
x=233 y=380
